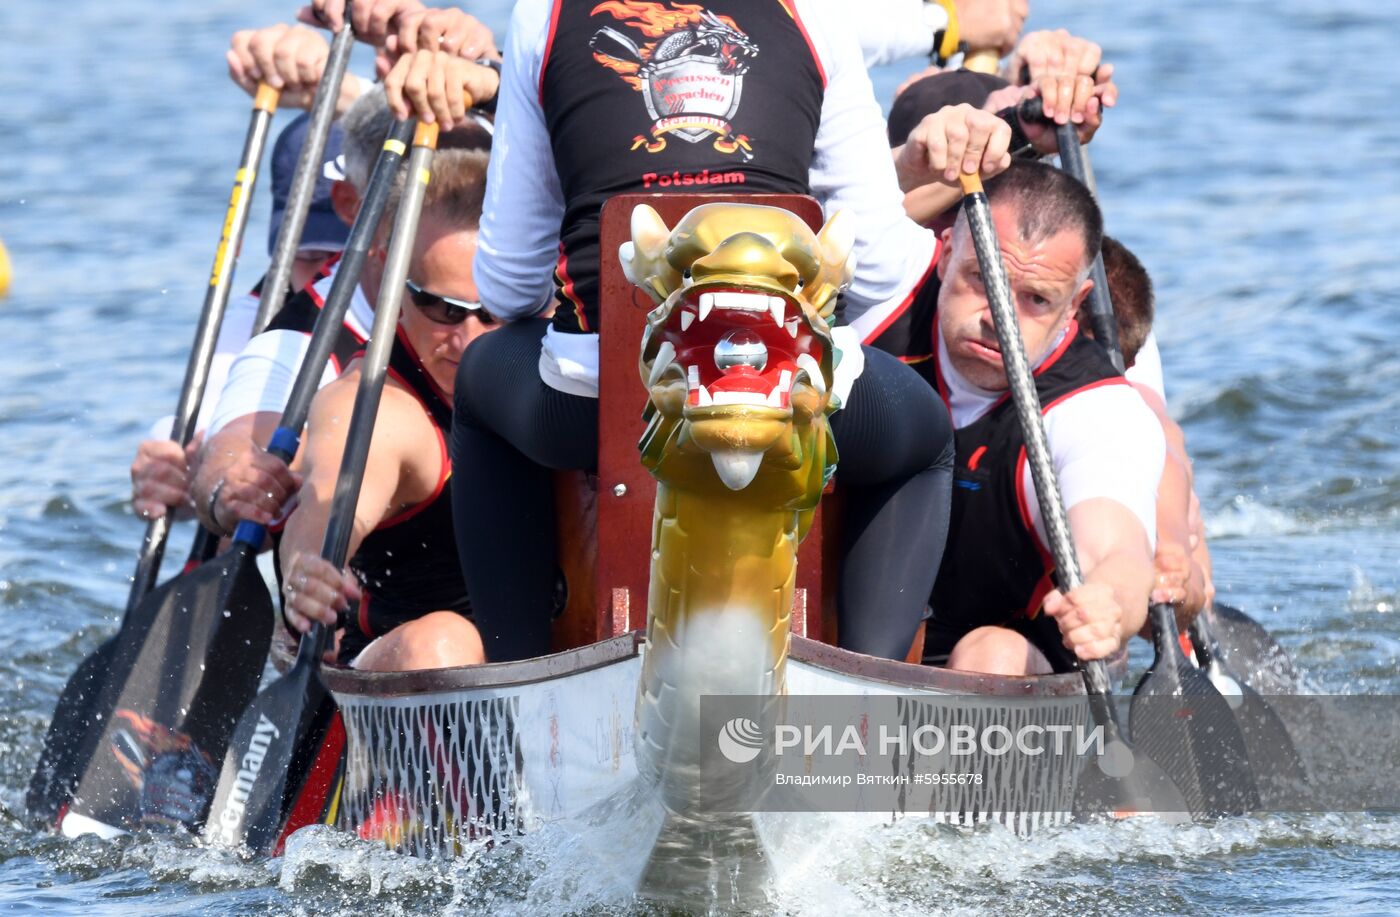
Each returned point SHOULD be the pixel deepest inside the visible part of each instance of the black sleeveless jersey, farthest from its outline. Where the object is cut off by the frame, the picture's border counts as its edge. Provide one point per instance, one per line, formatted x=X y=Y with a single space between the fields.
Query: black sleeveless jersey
x=995 y=569
x=408 y=565
x=723 y=95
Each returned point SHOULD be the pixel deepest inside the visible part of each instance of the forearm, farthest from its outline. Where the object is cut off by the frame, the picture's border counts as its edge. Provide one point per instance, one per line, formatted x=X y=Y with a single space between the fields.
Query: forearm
x=1128 y=572
x=928 y=202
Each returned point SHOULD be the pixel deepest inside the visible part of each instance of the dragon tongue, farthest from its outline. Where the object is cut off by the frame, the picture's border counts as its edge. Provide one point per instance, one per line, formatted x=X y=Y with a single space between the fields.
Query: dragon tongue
x=736 y=468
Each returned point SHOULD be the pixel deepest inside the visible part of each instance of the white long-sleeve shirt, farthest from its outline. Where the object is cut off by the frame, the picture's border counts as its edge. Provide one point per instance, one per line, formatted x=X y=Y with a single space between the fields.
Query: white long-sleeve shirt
x=851 y=170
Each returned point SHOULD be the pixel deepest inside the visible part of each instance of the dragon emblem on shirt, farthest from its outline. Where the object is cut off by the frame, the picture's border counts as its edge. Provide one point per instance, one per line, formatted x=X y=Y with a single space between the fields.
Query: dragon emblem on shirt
x=689 y=68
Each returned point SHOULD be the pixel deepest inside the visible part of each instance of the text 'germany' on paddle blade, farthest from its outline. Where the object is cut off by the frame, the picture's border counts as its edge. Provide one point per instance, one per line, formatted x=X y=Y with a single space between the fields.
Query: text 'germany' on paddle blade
x=163 y=718
x=248 y=809
x=1181 y=722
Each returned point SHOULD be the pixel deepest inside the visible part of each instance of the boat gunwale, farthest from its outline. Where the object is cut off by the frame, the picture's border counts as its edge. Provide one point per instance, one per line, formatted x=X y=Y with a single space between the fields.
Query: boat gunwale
x=346 y=681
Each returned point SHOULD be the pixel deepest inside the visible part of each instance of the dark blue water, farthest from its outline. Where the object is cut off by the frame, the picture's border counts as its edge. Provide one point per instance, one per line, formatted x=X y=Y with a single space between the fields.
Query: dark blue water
x=1251 y=164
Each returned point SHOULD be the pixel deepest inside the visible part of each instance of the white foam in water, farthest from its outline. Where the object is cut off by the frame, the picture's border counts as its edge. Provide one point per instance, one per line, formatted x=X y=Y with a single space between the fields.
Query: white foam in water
x=1244 y=517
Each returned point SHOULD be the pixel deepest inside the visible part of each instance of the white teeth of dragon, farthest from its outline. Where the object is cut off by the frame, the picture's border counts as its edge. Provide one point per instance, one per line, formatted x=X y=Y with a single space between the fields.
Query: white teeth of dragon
x=784 y=386
x=743 y=302
x=692 y=377
x=687 y=316
x=736 y=468
x=792 y=326
x=738 y=398
x=808 y=363
x=777 y=306
x=703 y=398
x=707 y=302
x=665 y=356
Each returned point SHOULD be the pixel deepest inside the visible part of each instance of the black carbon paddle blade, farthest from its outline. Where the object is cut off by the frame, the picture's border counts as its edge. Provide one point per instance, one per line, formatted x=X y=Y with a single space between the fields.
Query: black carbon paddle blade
x=1249 y=651
x=1181 y=722
x=172 y=696
x=1277 y=767
x=55 y=776
x=248 y=810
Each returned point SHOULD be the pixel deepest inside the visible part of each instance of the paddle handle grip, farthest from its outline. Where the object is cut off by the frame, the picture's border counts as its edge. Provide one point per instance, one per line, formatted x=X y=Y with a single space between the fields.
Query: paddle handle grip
x=986 y=60
x=279 y=274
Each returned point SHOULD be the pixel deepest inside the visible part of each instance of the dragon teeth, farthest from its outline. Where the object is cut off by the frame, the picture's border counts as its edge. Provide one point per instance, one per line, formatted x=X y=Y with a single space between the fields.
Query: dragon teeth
x=792 y=327
x=688 y=316
x=736 y=468
x=814 y=371
x=742 y=302
x=707 y=302
x=703 y=398
x=692 y=377
x=665 y=356
x=777 y=307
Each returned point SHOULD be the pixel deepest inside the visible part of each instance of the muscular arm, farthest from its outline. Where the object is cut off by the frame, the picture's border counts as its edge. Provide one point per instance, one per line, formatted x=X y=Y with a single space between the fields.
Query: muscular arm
x=1114 y=552
x=320 y=461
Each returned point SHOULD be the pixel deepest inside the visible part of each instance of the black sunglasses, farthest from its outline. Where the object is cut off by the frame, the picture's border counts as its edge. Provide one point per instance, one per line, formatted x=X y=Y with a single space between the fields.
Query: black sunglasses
x=444 y=309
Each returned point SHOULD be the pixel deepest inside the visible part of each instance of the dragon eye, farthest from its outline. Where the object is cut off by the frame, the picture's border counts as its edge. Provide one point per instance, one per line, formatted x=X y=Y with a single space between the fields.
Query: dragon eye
x=685 y=276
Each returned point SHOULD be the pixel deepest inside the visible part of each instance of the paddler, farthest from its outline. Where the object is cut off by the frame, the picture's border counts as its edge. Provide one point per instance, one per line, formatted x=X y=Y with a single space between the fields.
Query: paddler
x=1182 y=559
x=995 y=605
x=578 y=132
x=237 y=479
x=408 y=606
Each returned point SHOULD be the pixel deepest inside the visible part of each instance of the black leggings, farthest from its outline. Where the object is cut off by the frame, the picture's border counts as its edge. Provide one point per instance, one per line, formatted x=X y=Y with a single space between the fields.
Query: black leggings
x=510 y=429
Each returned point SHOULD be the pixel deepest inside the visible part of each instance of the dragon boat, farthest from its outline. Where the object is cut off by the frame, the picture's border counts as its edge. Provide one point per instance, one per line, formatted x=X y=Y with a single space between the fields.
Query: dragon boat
x=725 y=525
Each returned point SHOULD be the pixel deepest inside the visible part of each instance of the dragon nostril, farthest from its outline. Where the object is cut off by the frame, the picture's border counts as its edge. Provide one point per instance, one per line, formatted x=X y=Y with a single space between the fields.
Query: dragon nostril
x=741 y=347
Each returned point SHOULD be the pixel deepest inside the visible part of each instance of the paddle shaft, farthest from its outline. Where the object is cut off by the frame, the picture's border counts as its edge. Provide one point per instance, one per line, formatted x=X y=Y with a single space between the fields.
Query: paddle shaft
x=287 y=438
x=373 y=369
x=279 y=274
x=1028 y=411
x=211 y=318
x=1076 y=162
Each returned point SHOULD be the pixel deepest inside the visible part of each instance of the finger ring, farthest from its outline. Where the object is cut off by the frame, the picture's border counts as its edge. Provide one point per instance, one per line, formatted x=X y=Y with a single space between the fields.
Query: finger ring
x=289 y=589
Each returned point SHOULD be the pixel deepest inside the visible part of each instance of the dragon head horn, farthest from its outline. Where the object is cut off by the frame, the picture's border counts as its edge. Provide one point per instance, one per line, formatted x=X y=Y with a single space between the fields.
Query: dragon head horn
x=836 y=240
x=644 y=258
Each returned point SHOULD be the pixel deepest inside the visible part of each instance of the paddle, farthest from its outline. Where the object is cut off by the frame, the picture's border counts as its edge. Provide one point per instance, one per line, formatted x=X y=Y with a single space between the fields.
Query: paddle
x=1122 y=779
x=1181 y=721
x=1076 y=162
x=279 y=274
x=56 y=772
x=1266 y=739
x=248 y=808
x=1246 y=647
x=186 y=680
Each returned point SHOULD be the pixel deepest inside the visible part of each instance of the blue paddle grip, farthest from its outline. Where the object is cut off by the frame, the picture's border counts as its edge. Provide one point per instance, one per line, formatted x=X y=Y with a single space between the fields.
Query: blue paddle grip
x=284 y=443
x=250 y=533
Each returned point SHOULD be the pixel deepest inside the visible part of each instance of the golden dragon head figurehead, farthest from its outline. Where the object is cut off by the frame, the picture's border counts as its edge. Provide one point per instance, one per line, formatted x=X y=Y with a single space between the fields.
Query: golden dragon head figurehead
x=737 y=355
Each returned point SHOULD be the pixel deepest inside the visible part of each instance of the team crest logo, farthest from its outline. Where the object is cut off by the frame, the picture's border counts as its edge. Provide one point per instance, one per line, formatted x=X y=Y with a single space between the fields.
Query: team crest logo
x=173 y=775
x=689 y=69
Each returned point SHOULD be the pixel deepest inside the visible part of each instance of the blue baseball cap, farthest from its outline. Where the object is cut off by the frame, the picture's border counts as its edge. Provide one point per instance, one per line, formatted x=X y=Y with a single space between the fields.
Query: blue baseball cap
x=324 y=230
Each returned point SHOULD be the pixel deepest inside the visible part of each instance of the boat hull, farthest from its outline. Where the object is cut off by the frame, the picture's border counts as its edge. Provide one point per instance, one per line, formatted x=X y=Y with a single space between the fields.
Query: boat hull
x=435 y=759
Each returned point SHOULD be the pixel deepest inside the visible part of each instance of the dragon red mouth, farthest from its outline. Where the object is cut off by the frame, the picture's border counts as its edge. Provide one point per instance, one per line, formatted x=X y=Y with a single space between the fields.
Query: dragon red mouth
x=748 y=323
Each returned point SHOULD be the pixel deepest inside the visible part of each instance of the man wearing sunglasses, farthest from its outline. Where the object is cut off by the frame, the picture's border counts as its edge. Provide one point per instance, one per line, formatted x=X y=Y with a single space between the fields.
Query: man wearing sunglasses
x=402 y=602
